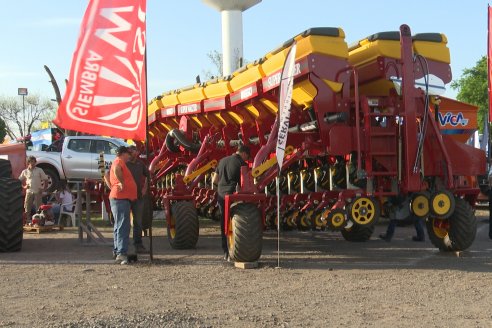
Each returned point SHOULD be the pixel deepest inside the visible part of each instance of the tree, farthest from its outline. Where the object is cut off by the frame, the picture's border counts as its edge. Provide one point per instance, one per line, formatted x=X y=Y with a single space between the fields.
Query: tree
x=21 y=119
x=472 y=88
x=3 y=130
x=216 y=59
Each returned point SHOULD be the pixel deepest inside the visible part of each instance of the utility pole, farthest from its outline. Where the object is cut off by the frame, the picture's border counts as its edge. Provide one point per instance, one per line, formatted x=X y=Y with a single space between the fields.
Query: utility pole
x=23 y=92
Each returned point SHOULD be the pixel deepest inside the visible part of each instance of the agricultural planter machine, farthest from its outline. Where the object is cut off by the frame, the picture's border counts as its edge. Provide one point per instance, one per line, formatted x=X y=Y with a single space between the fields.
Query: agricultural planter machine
x=364 y=138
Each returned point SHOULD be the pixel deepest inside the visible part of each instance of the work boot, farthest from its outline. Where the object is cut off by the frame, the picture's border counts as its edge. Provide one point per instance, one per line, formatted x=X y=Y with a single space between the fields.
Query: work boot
x=384 y=237
x=140 y=249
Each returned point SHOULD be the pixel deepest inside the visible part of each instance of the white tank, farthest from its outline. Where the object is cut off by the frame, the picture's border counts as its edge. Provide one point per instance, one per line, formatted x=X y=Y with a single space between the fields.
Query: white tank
x=232 y=30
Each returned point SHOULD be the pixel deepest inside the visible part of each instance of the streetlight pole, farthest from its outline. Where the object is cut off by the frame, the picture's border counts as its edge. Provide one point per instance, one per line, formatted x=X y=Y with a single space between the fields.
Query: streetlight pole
x=23 y=92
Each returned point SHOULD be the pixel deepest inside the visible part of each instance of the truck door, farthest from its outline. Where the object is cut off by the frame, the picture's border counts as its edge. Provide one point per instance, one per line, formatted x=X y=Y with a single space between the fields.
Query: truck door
x=77 y=159
x=109 y=150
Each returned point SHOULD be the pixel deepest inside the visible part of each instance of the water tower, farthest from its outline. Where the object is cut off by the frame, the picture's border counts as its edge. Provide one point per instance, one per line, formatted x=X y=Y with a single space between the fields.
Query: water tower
x=232 y=30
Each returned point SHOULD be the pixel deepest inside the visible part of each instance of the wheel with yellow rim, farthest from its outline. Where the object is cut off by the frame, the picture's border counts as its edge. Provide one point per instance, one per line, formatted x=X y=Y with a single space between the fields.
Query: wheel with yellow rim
x=456 y=233
x=245 y=233
x=420 y=205
x=183 y=226
x=304 y=222
x=364 y=211
x=335 y=219
x=442 y=204
x=319 y=223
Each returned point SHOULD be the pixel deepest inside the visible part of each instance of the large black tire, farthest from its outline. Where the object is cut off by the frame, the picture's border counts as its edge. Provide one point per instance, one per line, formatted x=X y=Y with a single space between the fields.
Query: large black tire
x=5 y=168
x=11 y=209
x=53 y=179
x=245 y=240
x=461 y=232
x=182 y=226
x=358 y=233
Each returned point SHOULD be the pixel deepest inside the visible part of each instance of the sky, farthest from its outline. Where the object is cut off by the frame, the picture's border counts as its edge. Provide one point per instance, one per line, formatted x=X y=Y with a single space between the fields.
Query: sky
x=181 y=33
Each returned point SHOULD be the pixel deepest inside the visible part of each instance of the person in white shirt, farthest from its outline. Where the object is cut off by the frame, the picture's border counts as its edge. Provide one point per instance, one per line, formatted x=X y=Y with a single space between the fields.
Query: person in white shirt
x=63 y=198
x=35 y=181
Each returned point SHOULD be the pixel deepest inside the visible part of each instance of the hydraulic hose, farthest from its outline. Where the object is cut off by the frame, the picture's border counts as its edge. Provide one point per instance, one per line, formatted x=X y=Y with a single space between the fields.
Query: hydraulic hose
x=176 y=138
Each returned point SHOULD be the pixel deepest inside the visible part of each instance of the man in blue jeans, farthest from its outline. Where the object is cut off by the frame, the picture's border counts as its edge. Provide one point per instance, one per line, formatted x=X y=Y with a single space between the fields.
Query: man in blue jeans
x=123 y=192
x=419 y=228
x=398 y=204
x=141 y=176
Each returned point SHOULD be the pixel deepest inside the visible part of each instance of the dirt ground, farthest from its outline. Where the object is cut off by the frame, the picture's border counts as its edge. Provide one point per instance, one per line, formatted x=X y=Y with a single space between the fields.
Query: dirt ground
x=323 y=281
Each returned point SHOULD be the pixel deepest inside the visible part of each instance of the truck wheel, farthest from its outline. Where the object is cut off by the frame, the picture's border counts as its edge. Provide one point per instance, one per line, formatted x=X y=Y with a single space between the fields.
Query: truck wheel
x=5 y=168
x=358 y=233
x=456 y=233
x=182 y=226
x=53 y=179
x=11 y=209
x=245 y=235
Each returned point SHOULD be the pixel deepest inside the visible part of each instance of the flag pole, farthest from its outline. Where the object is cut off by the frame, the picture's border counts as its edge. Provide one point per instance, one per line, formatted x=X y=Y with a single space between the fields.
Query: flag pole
x=151 y=250
x=278 y=218
x=284 y=105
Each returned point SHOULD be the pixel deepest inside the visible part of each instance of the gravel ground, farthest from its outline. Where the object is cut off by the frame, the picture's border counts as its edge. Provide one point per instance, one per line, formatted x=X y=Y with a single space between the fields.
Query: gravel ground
x=323 y=281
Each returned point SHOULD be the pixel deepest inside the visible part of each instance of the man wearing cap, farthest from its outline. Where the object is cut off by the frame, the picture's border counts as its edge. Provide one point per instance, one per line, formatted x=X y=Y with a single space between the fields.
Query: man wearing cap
x=141 y=176
x=226 y=179
x=123 y=192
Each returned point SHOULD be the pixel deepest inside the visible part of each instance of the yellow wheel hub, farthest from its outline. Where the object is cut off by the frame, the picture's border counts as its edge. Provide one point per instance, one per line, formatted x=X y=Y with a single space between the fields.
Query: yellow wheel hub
x=337 y=220
x=305 y=220
x=319 y=221
x=442 y=204
x=420 y=206
x=363 y=211
x=440 y=227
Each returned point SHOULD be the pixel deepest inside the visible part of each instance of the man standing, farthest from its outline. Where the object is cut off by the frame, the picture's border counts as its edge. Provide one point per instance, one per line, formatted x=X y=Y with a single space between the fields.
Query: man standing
x=226 y=179
x=35 y=181
x=141 y=176
x=123 y=192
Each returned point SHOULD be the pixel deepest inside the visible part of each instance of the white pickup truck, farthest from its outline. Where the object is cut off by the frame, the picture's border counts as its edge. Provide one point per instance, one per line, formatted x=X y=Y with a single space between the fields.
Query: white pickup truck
x=78 y=159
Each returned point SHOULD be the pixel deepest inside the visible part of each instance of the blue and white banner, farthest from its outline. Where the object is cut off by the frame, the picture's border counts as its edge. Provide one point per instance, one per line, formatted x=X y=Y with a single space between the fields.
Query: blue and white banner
x=41 y=137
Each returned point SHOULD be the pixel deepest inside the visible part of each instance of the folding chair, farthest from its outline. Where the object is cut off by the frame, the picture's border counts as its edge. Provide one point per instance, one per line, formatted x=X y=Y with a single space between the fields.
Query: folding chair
x=70 y=212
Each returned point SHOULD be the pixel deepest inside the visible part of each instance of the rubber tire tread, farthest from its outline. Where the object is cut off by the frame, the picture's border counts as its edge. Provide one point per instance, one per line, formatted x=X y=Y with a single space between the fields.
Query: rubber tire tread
x=186 y=226
x=358 y=233
x=5 y=168
x=11 y=210
x=248 y=233
x=462 y=228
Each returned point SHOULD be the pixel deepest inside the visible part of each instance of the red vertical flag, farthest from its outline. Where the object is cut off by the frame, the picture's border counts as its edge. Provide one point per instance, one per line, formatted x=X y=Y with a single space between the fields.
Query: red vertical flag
x=106 y=92
x=489 y=57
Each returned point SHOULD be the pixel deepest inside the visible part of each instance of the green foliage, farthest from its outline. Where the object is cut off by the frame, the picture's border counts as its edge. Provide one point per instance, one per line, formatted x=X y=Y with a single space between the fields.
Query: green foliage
x=21 y=118
x=3 y=130
x=473 y=89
